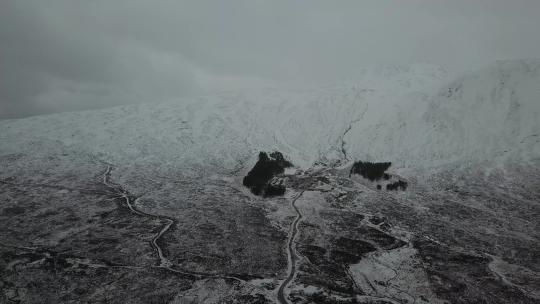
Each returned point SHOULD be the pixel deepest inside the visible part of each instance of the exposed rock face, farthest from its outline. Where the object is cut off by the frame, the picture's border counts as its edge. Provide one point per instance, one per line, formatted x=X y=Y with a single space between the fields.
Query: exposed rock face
x=259 y=178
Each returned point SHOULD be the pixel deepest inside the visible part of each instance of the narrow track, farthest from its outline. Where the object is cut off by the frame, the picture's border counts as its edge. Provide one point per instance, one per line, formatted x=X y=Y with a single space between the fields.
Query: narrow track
x=291 y=252
x=164 y=263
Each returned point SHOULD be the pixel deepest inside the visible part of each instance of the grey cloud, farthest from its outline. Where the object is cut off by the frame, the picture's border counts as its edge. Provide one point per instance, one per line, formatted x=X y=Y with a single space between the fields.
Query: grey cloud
x=63 y=55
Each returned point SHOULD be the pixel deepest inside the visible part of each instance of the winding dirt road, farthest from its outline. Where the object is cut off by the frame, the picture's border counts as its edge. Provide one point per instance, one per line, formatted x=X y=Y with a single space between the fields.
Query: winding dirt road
x=291 y=252
x=164 y=263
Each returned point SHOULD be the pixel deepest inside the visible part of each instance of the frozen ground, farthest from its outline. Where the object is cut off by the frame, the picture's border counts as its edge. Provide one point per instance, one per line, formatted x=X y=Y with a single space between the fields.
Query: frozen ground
x=144 y=204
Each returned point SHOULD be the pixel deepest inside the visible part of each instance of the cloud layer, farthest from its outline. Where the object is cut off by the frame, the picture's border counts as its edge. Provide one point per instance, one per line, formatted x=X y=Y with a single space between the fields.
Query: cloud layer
x=63 y=55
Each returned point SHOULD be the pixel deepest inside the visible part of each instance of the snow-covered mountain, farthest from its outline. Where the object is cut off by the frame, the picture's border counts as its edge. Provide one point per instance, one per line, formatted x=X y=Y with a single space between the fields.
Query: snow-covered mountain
x=415 y=117
x=492 y=114
x=150 y=199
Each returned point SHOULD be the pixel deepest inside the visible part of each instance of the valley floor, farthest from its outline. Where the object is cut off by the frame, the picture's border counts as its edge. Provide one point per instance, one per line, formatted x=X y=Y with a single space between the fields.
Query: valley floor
x=74 y=229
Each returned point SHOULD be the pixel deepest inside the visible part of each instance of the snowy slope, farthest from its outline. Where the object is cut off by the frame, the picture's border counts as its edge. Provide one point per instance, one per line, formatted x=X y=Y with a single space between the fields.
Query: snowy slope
x=408 y=115
x=492 y=114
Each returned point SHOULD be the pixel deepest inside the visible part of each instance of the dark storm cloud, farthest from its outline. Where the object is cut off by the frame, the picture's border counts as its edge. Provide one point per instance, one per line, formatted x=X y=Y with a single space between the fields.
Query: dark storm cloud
x=62 y=55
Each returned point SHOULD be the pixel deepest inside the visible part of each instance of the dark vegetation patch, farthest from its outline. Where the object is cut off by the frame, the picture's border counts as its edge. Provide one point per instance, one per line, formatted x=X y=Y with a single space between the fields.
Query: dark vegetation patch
x=315 y=254
x=330 y=276
x=240 y=240
x=383 y=240
x=342 y=220
x=346 y=240
x=353 y=247
x=274 y=190
x=465 y=277
x=322 y=298
x=15 y=210
x=344 y=257
x=268 y=166
x=326 y=269
x=250 y=299
x=371 y=171
x=376 y=220
x=397 y=185
x=47 y=213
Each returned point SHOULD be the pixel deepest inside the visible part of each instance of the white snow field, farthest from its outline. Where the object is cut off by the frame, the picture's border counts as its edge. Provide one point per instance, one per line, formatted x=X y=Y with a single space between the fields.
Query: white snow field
x=413 y=116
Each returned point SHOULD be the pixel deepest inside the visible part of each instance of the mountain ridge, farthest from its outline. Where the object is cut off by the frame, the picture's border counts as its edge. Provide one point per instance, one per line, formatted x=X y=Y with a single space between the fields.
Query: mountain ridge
x=474 y=118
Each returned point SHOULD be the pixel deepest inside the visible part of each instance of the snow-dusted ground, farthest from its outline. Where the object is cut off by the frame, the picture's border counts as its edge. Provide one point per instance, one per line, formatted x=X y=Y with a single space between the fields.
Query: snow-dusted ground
x=468 y=146
x=414 y=117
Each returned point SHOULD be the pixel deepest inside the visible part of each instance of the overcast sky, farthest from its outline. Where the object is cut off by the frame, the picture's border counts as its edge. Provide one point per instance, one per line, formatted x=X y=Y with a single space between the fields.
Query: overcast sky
x=64 y=55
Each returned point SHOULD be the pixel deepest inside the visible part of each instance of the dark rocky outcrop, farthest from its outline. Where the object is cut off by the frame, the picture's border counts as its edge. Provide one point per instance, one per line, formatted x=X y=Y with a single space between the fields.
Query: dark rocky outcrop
x=371 y=171
x=258 y=180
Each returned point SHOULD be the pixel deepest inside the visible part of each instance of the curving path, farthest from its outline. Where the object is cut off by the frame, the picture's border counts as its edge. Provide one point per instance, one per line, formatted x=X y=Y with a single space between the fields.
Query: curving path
x=291 y=252
x=164 y=263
